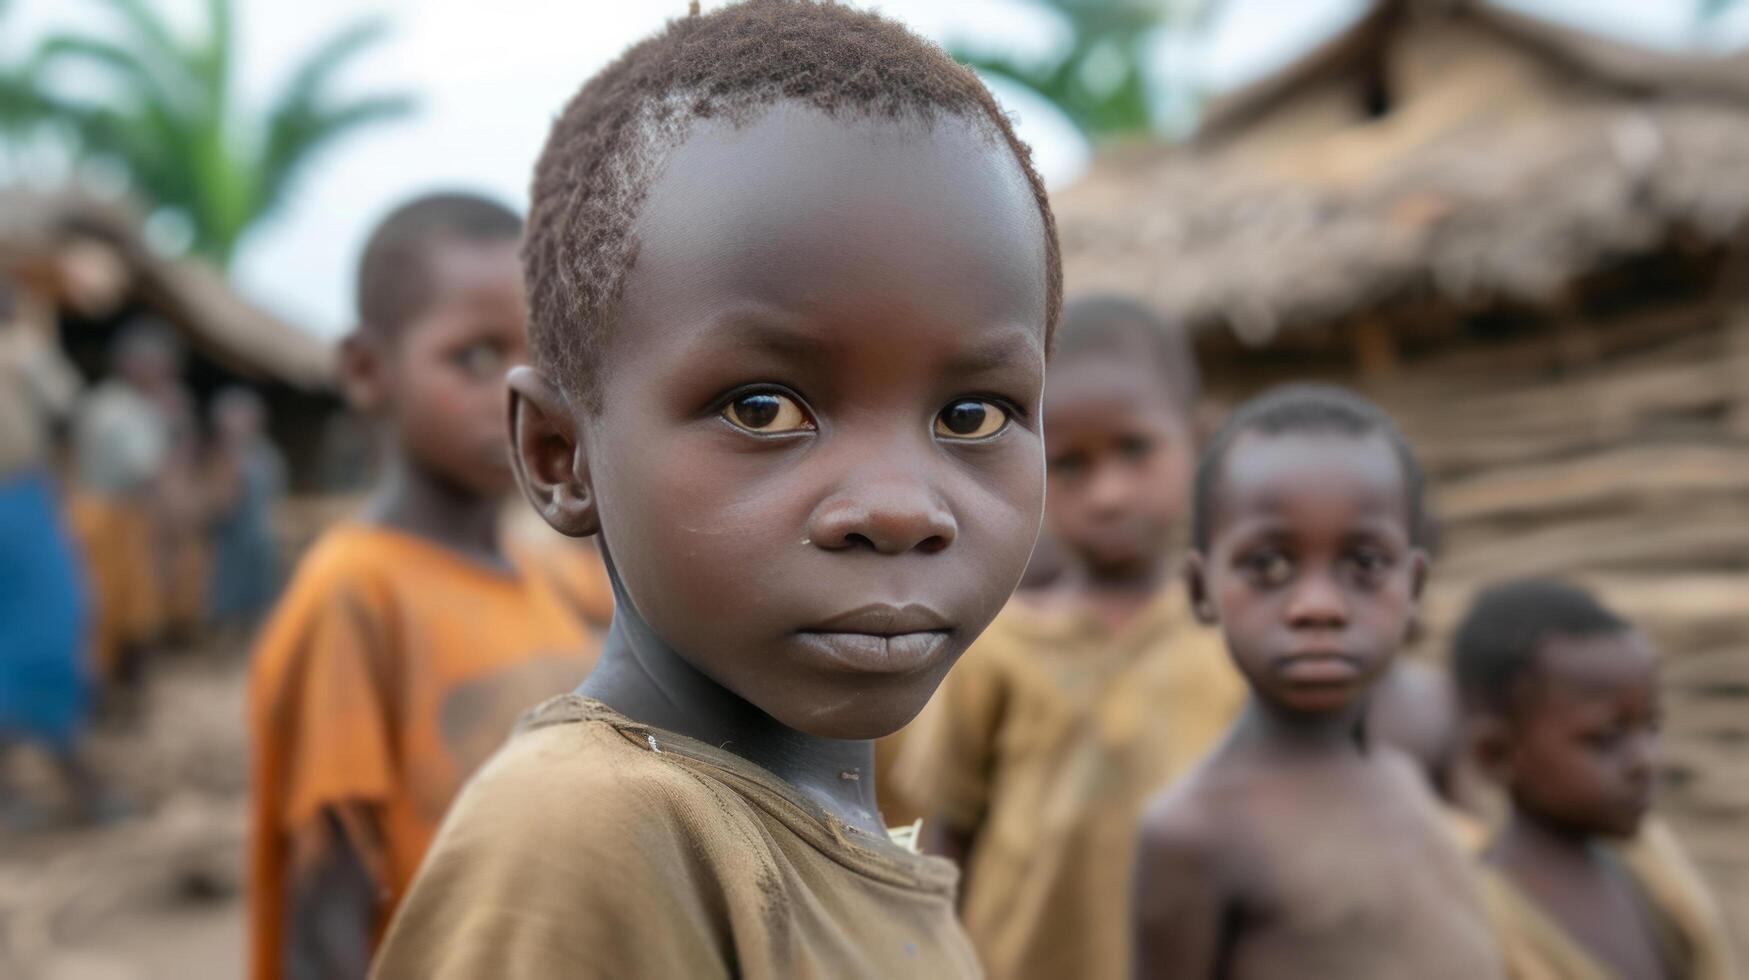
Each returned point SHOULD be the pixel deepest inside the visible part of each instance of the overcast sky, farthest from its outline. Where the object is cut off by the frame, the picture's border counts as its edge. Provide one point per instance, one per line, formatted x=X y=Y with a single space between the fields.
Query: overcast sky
x=490 y=76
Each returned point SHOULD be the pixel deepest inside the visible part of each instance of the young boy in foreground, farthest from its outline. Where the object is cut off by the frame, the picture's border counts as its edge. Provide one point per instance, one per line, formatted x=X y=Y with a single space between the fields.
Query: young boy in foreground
x=1299 y=848
x=409 y=641
x=792 y=282
x=1084 y=698
x=1562 y=697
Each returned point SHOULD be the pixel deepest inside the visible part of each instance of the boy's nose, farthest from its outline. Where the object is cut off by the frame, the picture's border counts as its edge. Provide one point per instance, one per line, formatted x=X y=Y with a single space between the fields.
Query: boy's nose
x=1317 y=601
x=890 y=517
x=1642 y=757
x=1111 y=488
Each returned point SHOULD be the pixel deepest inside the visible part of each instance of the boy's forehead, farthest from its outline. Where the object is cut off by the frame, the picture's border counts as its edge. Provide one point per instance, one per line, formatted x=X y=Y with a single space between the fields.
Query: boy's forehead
x=1108 y=374
x=795 y=206
x=1598 y=665
x=1269 y=472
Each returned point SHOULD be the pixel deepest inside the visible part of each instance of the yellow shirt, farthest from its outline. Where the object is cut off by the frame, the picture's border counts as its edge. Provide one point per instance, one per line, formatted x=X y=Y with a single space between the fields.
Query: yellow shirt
x=594 y=846
x=1536 y=947
x=390 y=670
x=1049 y=737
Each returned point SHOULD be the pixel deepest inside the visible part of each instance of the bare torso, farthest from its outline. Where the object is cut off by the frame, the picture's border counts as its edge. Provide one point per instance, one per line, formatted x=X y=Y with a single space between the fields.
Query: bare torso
x=1325 y=866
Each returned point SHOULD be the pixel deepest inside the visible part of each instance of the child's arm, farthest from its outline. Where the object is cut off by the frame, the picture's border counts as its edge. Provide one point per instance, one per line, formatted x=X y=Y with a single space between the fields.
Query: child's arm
x=1181 y=903
x=331 y=904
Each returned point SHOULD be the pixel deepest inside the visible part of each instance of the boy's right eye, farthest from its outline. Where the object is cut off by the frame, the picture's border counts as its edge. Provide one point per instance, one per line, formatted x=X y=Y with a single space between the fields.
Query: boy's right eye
x=1268 y=568
x=767 y=413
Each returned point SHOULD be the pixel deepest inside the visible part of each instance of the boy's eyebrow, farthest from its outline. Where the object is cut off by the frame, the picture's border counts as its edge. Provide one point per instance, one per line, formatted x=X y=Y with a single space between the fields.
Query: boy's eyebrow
x=775 y=332
x=999 y=351
x=766 y=331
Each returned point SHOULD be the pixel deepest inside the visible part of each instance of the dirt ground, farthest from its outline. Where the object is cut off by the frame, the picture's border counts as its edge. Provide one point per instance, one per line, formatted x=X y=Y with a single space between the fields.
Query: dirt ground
x=157 y=896
x=154 y=896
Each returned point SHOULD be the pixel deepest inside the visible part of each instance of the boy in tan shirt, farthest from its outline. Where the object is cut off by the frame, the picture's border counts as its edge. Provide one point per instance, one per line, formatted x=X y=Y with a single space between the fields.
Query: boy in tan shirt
x=792 y=281
x=1085 y=697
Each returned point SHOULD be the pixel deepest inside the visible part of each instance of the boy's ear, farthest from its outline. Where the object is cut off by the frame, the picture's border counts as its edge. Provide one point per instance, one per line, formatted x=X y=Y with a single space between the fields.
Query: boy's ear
x=1490 y=745
x=1196 y=583
x=1418 y=566
x=363 y=373
x=547 y=454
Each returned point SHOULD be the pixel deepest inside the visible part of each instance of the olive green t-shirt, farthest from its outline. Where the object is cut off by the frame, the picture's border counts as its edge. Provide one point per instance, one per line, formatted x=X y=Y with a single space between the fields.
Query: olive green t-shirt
x=593 y=846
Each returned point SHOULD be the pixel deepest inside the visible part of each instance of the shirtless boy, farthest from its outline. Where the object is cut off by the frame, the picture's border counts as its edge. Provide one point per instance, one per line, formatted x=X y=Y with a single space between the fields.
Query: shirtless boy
x=1562 y=702
x=1299 y=849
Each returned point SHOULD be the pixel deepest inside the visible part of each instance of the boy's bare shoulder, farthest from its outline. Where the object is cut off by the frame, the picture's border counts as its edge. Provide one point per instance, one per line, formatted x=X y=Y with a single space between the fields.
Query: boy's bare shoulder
x=1194 y=822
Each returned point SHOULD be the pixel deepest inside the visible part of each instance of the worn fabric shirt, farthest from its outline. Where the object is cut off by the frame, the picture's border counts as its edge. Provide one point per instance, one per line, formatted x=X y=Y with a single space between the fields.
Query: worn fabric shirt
x=37 y=386
x=594 y=846
x=391 y=669
x=1691 y=933
x=1048 y=737
x=116 y=540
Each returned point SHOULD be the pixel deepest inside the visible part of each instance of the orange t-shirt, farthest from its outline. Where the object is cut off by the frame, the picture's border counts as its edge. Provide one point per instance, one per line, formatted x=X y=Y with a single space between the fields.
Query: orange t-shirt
x=390 y=670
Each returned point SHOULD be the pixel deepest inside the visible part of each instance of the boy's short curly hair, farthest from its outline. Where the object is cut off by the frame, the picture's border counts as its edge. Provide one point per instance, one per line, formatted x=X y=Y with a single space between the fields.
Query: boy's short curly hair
x=396 y=282
x=1306 y=409
x=1119 y=326
x=1496 y=645
x=607 y=146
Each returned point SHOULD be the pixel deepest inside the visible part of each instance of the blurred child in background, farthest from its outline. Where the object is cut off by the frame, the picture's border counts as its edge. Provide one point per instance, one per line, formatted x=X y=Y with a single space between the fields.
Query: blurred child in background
x=181 y=505
x=1091 y=693
x=411 y=638
x=44 y=675
x=246 y=482
x=1301 y=847
x=1562 y=698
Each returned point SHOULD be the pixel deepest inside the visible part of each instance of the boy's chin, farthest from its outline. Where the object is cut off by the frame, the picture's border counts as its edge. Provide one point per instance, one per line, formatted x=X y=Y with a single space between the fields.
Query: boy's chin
x=1317 y=701
x=875 y=715
x=1620 y=826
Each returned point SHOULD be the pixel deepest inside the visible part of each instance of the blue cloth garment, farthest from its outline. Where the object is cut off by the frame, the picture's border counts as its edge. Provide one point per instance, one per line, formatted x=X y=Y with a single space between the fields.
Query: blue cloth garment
x=44 y=682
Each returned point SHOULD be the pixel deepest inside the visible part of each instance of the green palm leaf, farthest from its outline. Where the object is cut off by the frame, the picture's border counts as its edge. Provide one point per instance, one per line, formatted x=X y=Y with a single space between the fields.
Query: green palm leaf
x=173 y=124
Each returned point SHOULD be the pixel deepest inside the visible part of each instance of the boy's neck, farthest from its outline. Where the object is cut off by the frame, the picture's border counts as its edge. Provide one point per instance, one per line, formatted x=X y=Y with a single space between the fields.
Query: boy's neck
x=1531 y=843
x=1278 y=731
x=415 y=500
x=1116 y=596
x=641 y=677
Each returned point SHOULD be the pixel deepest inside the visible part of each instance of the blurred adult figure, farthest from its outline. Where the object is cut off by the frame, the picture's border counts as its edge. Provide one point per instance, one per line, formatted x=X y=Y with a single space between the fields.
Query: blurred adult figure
x=44 y=689
x=120 y=443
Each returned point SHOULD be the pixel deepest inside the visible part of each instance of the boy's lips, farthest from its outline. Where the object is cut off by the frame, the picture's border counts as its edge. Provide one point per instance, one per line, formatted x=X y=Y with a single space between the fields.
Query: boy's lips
x=1318 y=668
x=881 y=639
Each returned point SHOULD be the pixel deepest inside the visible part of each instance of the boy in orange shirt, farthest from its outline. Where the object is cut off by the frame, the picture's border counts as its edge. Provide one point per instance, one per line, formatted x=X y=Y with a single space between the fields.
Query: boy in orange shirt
x=410 y=640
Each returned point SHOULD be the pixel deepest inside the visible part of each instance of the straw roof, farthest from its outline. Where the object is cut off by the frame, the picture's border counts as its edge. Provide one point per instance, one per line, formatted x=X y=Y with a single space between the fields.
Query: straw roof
x=188 y=294
x=1491 y=184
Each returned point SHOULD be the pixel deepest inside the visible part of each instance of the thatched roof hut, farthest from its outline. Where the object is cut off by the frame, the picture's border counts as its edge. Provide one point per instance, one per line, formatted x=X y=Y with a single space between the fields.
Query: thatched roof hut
x=1532 y=245
x=1453 y=151
x=86 y=259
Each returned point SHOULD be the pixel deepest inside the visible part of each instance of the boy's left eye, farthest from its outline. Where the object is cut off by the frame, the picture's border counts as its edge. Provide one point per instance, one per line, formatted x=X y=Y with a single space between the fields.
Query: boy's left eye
x=767 y=413
x=480 y=361
x=970 y=418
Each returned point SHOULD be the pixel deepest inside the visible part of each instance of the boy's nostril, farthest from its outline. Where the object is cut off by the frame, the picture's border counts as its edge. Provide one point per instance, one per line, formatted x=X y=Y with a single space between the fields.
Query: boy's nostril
x=932 y=544
x=854 y=540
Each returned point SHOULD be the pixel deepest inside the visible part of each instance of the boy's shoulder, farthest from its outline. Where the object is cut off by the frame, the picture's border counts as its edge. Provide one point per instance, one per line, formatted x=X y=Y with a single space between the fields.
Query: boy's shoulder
x=571 y=753
x=1199 y=813
x=353 y=550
